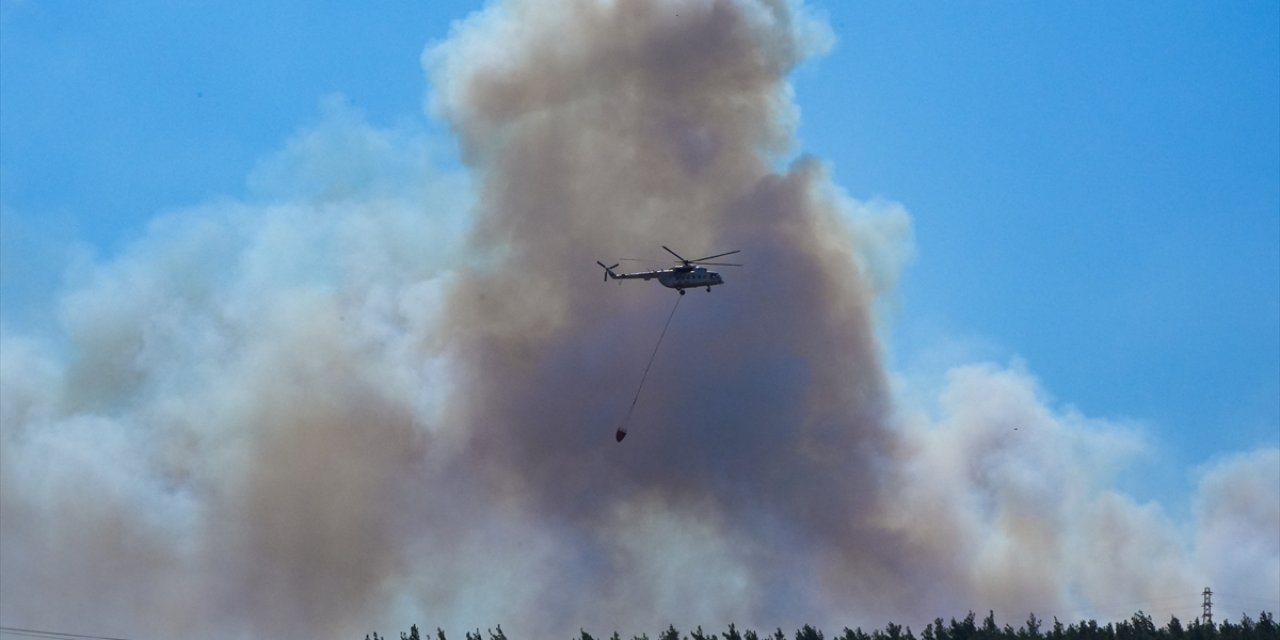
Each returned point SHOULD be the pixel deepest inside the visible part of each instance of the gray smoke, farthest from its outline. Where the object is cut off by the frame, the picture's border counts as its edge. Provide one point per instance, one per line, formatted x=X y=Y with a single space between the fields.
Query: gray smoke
x=645 y=124
x=377 y=393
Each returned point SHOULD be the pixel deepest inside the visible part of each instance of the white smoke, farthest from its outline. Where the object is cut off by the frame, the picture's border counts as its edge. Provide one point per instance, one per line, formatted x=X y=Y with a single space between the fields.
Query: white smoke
x=210 y=439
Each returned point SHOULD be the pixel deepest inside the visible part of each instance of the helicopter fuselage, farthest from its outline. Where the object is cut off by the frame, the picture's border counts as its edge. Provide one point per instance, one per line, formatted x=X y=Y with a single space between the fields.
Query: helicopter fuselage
x=688 y=275
x=684 y=279
x=679 y=278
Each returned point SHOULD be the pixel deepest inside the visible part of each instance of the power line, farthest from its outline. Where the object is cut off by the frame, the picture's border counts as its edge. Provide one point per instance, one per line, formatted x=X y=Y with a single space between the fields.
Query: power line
x=1124 y=609
x=1232 y=597
x=1162 y=604
x=54 y=635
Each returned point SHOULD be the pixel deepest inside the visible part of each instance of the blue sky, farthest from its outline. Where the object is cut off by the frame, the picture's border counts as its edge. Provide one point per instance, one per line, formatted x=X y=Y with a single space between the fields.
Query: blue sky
x=1095 y=187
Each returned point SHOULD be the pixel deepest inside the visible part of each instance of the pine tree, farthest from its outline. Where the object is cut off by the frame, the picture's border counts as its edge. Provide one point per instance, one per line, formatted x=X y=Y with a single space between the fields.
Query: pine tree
x=808 y=633
x=1031 y=629
x=1140 y=626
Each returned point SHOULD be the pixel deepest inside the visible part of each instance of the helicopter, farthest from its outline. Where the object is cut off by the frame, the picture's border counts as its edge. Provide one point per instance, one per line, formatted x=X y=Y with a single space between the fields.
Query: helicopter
x=690 y=273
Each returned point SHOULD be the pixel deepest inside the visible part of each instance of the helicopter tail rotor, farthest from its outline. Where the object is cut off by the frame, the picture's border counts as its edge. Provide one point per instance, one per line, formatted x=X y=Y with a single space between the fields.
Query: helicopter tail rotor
x=608 y=271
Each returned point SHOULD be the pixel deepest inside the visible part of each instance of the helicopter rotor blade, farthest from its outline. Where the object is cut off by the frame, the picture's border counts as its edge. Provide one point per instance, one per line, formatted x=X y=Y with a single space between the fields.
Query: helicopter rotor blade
x=675 y=254
x=721 y=264
x=718 y=255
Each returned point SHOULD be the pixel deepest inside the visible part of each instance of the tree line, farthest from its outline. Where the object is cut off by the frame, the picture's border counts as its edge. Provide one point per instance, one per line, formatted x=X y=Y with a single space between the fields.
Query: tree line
x=1138 y=627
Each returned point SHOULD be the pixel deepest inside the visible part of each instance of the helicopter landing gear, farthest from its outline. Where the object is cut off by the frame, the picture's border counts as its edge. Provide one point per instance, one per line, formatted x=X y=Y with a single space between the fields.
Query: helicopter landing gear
x=708 y=289
x=682 y=292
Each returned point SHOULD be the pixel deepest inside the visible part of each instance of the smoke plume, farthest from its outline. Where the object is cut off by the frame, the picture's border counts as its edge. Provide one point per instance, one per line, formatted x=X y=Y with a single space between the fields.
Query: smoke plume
x=376 y=393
